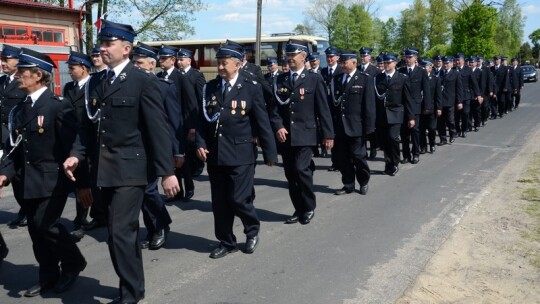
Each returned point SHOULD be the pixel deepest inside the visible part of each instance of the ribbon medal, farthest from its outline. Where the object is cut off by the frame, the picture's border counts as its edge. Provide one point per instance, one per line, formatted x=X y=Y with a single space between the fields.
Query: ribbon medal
x=233 y=106
x=243 y=104
x=40 y=119
x=302 y=92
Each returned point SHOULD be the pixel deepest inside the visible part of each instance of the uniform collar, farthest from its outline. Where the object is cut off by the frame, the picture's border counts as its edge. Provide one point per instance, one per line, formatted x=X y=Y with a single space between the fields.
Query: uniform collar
x=187 y=69
x=297 y=72
x=231 y=82
x=119 y=68
x=35 y=96
x=83 y=81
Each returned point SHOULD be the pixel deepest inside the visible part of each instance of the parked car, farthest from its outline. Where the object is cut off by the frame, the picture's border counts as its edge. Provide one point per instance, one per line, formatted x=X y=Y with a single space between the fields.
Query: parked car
x=529 y=73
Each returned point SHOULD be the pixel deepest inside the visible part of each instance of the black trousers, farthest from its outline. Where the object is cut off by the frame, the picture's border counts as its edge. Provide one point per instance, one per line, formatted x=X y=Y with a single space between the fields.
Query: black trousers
x=53 y=247
x=517 y=98
x=486 y=107
x=124 y=208
x=446 y=120
x=299 y=173
x=155 y=214
x=475 y=118
x=351 y=158
x=509 y=104
x=99 y=210
x=428 y=124
x=501 y=104
x=231 y=189
x=461 y=117
x=388 y=136
x=410 y=135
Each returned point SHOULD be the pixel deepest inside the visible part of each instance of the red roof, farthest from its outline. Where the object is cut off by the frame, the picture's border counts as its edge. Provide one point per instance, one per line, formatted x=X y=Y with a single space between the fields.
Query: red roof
x=38 y=5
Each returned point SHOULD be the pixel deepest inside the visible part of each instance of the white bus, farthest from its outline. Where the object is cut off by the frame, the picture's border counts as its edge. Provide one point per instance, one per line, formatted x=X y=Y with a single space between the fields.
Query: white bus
x=204 y=51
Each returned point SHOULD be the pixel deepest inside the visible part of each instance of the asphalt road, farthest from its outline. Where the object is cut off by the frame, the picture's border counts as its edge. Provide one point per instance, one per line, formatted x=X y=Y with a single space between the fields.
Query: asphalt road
x=358 y=249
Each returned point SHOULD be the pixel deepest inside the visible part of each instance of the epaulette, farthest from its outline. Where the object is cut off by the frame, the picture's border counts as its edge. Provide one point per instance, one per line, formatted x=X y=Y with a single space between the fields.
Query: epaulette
x=364 y=73
x=166 y=80
x=59 y=98
x=311 y=71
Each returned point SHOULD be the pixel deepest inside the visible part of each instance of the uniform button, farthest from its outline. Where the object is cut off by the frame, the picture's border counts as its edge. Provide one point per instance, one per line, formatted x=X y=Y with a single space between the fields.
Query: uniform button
x=102 y=131
x=292 y=103
x=25 y=140
x=292 y=112
x=123 y=101
x=137 y=154
x=292 y=122
x=222 y=108
x=103 y=117
x=221 y=126
x=103 y=146
x=292 y=93
x=103 y=104
x=24 y=129
x=28 y=163
x=26 y=151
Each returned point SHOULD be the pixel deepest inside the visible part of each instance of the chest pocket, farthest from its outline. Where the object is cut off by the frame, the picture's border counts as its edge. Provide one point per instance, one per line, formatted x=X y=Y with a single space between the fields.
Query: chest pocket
x=123 y=107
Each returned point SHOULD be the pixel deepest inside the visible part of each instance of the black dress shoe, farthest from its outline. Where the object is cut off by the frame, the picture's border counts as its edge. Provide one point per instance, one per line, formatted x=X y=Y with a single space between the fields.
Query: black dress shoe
x=432 y=149
x=452 y=139
x=442 y=143
x=332 y=168
x=189 y=195
x=307 y=217
x=68 y=278
x=39 y=288
x=344 y=190
x=392 y=171
x=292 y=220
x=158 y=239
x=221 y=251
x=19 y=220
x=476 y=129
x=144 y=244
x=77 y=235
x=94 y=224
x=415 y=160
x=405 y=160
x=423 y=150
x=364 y=189
x=251 y=244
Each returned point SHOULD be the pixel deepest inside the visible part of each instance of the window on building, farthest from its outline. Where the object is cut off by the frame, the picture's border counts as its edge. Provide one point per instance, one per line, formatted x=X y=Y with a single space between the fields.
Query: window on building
x=59 y=37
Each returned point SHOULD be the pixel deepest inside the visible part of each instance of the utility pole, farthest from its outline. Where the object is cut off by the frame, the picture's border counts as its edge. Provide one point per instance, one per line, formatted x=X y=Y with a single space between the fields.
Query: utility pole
x=258 y=34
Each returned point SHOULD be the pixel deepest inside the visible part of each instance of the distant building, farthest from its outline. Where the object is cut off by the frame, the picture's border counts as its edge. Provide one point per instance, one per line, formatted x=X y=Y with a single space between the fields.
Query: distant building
x=46 y=28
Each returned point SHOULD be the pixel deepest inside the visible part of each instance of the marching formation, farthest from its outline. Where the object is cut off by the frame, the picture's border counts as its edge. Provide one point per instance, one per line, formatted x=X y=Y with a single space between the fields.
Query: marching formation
x=120 y=129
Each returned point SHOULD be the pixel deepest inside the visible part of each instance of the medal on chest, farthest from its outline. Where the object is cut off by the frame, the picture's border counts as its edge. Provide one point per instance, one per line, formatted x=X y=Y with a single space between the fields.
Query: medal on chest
x=233 y=106
x=302 y=92
x=40 y=119
x=243 y=105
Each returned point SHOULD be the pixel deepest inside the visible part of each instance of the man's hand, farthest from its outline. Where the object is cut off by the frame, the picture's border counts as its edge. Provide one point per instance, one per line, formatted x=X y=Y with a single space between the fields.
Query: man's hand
x=439 y=113
x=411 y=123
x=170 y=185
x=70 y=165
x=328 y=143
x=191 y=134
x=459 y=106
x=85 y=197
x=270 y=164
x=480 y=99
x=201 y=153
x=3 y=182
x=281 y=135
x=178 y=161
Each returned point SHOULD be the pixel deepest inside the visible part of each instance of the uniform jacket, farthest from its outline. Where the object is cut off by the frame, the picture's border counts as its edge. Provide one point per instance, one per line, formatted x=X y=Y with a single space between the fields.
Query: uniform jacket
x=371 y=70
x=353 y=105
x=397 y=104
x=307 y=103
x=435 y=90
x=419 y=86
x=501 y=76
x=197 y=80
x=174 y=115
x=47 y=130
x=328 y=78
x=517 y=78
x=486 y=82
x=187 y=97
x=452 y=88
x=470 y=85
x=132 y=135
x=9 y=97
x=230 y=139
x=256 y=74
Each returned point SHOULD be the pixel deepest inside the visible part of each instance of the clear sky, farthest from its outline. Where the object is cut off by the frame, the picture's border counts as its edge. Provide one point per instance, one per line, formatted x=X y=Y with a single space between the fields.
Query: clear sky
x=237 y=18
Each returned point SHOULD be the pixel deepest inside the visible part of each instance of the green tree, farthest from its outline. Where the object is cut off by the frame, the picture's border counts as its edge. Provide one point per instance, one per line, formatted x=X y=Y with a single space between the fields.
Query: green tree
x=535 y=39
x=341 y=28
x=389 y=36
x=413 y=27
x=439 y=24
x=305 y=28
x=361 y=27
x=525 y=53
x=510 y=28
x=474 y=30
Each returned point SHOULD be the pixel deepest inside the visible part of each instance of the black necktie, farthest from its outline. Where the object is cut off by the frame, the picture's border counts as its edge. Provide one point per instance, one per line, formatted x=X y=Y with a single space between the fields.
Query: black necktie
x=8 y=80
x=388 y=77
x=346 y=79
x=110 y=78
x=410 y=70
x=226 y=90
x=294 y=77
x=330 y=72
